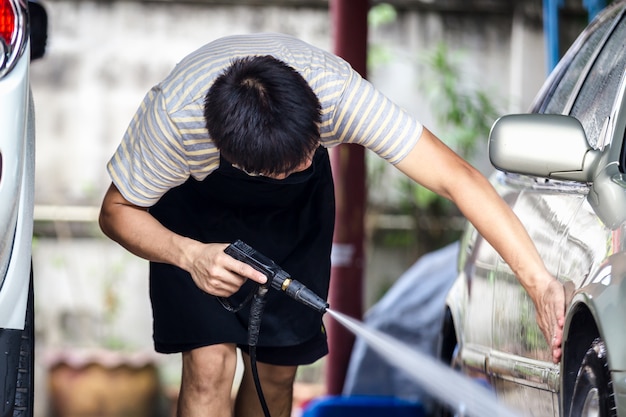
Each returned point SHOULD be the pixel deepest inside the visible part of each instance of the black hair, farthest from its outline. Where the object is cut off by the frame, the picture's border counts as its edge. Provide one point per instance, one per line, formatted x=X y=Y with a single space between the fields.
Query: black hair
x=262 y=115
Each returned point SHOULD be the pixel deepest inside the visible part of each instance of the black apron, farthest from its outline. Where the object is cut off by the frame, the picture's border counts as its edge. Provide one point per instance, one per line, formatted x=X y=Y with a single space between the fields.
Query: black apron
x=290 y=221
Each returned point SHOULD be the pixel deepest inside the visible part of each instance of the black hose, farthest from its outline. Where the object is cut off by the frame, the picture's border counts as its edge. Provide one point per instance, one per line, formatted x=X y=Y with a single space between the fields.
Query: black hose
x=254 y=327
x=257 y=305
x=278 y=279
x=234 y=309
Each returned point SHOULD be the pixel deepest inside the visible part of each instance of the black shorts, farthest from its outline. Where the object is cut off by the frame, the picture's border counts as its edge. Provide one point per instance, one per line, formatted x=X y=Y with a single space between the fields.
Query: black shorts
x=186 y=318
x=302 y=354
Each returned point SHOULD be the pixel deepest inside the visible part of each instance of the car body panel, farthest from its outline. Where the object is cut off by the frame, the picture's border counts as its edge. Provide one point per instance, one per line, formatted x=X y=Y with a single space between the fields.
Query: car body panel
x=16 y=193
x=571 y=198
x=604 y=293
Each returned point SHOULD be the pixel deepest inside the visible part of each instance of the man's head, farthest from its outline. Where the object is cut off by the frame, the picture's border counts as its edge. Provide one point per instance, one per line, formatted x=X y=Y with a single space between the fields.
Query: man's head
x=263 y=116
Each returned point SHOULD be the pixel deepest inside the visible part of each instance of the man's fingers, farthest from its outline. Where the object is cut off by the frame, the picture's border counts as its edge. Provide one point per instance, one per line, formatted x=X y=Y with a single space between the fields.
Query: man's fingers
x=552 y=317
x=247 y=271
x=558 y=323
x=222 y=288
x=244 y=270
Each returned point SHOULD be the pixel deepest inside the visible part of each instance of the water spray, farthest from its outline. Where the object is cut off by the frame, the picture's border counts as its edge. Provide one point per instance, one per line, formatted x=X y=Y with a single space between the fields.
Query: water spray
x=460 y=393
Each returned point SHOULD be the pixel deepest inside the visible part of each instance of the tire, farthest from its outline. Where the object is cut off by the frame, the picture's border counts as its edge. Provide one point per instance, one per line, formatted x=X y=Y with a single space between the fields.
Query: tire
x=447 y=354
x=593 y=394
x=24 y=395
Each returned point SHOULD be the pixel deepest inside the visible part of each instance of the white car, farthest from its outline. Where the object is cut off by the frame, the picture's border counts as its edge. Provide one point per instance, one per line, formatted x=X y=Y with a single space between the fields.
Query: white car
x=23 y=27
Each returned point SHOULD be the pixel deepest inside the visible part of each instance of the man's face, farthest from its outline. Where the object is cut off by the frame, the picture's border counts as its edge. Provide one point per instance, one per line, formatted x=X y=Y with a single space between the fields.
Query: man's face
x=281 y=176
x=303 y=166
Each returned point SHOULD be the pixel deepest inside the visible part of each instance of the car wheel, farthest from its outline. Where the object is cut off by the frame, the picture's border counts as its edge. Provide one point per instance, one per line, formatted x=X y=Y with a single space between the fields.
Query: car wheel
x=593 y=390
x=24 y=395
x=448 y=347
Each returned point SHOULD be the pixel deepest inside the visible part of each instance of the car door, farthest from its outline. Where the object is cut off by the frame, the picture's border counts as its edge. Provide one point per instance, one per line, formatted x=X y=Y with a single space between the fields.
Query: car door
x=520 y=360
x=568 y=234
x=490 y=284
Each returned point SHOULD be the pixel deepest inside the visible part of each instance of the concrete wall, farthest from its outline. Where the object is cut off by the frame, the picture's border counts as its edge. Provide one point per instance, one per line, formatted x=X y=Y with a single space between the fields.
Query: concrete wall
x=103 y=57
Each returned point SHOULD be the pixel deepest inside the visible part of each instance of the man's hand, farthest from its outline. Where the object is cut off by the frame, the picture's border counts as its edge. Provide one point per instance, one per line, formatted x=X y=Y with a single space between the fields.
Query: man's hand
x=551 y=316
x=219 y=274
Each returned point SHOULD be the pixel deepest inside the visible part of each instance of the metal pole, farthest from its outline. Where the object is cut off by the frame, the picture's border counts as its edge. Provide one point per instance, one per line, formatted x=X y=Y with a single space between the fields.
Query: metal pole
x=551 y=31
x=551 y=26
x=349 y=21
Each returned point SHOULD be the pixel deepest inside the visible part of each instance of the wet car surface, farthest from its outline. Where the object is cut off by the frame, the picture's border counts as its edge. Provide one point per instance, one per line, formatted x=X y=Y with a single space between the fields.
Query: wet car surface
x=562 y=170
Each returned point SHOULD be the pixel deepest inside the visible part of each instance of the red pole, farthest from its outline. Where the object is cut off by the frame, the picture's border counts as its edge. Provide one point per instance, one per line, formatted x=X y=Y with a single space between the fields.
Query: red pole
x=349 y=19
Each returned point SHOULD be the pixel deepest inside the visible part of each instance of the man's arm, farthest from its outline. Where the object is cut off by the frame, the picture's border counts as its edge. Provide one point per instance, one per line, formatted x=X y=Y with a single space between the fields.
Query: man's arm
x=433 y=165
x=139 y=232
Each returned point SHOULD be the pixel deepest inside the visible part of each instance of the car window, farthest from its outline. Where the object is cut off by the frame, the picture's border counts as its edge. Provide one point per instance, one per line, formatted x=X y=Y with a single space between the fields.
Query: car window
x=597 y=95
x=558 y=100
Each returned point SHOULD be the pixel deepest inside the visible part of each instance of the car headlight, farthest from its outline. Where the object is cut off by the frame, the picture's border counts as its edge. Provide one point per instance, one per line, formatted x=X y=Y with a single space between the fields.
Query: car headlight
x=13 y=32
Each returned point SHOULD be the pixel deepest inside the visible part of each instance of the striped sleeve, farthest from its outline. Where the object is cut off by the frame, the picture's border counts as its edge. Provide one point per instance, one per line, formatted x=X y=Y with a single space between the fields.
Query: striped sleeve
x=365 y=116
x=151 y=158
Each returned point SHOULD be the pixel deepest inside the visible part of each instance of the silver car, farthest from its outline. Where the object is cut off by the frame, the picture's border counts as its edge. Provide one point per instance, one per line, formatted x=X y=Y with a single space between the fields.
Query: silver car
x=23 y=27
x=562 y=169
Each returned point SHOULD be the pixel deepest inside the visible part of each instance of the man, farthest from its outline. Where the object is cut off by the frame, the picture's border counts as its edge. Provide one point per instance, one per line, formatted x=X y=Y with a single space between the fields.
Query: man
x=233 y=145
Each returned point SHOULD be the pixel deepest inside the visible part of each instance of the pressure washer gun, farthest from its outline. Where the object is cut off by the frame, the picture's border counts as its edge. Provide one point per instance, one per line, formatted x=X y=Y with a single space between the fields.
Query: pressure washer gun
x=278 y=278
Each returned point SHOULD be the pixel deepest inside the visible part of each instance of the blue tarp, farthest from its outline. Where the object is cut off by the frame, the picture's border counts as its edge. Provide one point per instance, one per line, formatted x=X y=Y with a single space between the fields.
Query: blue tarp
x=411 y=311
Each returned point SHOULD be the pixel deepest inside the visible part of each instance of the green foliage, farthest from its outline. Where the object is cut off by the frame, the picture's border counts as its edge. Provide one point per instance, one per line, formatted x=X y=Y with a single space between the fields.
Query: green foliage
x=380 y=15
x=463 y=117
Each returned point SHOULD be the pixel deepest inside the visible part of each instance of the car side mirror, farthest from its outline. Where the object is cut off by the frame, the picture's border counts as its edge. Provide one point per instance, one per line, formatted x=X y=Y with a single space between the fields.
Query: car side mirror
x=38 y=21
x=543 y=145
x=555 y=146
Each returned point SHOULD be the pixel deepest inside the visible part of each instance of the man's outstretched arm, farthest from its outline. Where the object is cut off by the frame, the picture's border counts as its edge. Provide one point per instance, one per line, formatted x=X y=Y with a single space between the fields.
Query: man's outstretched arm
x=435 y=166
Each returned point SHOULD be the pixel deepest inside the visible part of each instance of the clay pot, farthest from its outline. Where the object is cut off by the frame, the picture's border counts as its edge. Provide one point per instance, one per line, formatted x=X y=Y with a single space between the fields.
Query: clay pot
x=103 y=384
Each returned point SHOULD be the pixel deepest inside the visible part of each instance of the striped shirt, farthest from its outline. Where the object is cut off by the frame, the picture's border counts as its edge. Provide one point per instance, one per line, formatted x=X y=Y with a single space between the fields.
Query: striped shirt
x=167 y=140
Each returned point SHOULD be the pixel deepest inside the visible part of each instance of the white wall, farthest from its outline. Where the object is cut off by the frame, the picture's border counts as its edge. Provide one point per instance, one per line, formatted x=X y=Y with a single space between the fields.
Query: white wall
x=103 y=57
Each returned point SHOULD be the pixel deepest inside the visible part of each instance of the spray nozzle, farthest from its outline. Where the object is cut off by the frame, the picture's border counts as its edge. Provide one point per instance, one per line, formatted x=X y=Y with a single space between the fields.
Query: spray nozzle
x=278 y=278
